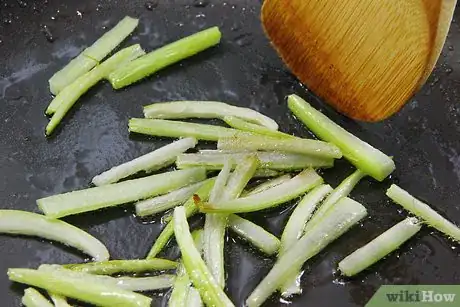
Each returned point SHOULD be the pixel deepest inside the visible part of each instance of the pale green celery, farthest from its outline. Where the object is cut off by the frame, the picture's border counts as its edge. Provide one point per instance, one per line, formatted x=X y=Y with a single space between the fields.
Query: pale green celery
x=206 y=109
x=362 y=155
x=32 y=224
x=157 y=159
x=300 y=184
x=82 y=289
x=167 y=201
x=193 y=298
x=164 y=56
x=201 y=277
x=119 y=193
x=33 y=298
x=270 y=160
x=246 y=124
x=244 y=171
x=62 y=103
x=181 y=289
x=191 y=208
x=271 y=183
x=122 y=266
x=253 y=142
x=380 y=247
x=259 y=237
x=221 y=181
x=177 y=129
x=265 y=173
x=335 y=223
x=423 y=211
x=59 y=300
x=198 y=239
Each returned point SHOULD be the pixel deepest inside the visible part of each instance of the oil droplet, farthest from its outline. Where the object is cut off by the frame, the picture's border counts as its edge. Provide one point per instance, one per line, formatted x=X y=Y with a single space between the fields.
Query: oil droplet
x=200 y=15
x=22 y=3
x=450 y=47
x=200 y=3
x=48 y=35
x=150 y=5
x=7 y=21
x=180 y=24
x=79 y=14
x=448 y=70
x=244 y=39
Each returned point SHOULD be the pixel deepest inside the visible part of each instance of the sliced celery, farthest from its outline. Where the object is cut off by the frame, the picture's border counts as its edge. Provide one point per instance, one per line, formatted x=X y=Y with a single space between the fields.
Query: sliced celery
x=206 y=109
x=122 y=266
x=335 y=222
x=115 y=194
x=265 y=173
x=181 y=289
x=221 y=181
x=240 y=177
x=362 y=155
x=201 y=277
x=193 y=298
x=83 y=289
x=381 y=246
x=271 y=183
x=33 y=298
x=164 y=56
x=32 y=224
x=256 y=235
x=254 y=142
x=277 y=195
x=159 y=158
x=198 y=239
x=423 y=211
x=246 y=124
x=59 y=300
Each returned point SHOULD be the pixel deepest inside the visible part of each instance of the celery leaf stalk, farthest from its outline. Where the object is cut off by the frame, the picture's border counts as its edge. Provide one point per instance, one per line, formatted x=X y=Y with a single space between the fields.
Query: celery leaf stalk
x=122 y=266
x=271 y=183
x=33 y=298
x=248 y=125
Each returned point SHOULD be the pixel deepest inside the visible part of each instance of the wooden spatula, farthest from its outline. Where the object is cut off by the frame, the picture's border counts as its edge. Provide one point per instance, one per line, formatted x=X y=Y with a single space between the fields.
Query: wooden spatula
x=364 y=57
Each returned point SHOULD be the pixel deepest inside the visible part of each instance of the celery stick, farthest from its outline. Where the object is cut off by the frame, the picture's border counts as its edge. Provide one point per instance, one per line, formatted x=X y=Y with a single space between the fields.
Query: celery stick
x=62 y=103
x=33 y=298
x=177 y=129
x=259 y=237
x=115 y=194
x=249 y=141
x=381 y=246
x=164 y=56
x=282 y=193
x=268 y=184
x=191 y=208
x=240 y=177
x=423 y=211
x=122 y=266
x=164 y=202
x=59 y=300
x=221 y=181
x=198 y=239
x=335 y=222
x=362 y=155
x=201 y=277
x=82 y=289
x=271 y=160
x=246 y=124
x=32 y=224
x=181 y=289
x=264 y=173
x=193 y=298
x=206 y=109
x=159 y=158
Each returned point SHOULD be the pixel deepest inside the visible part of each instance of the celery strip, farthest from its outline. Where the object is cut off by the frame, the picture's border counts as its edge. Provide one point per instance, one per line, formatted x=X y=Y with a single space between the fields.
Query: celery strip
x=164 y=56
x=381 y=246
x=362 y=155
x=59 y=300
x=198 y=239
x=201 y=277
x=191 y=208
x=122 y=266
x=271 y=183
x=264 y=173
x=256 y=235
x=83 y=289
x=193 y=298
x=157 y=159
x=33 y=298
x=335 y=222
x=240 y=177
x=115 y=194
x=255 y=142
x=277 y=195
x=32 y=224
x=206 y=109
x=181 y=289
x=177 y=129
x=423 y=211
x=246 y=124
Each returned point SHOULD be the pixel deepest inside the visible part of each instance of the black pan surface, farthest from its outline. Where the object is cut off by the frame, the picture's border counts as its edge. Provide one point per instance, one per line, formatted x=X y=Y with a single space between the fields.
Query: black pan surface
x=38 y=37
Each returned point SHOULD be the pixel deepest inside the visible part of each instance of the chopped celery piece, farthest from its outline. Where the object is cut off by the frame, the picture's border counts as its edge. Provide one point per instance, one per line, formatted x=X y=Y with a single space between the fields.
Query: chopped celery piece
x=221 y=181
x=381 y=246
x=362 y=155
x=83 y=289
x=206 y=109
x=32 y=224
x=240 y=177
x=268 y=184
x=271 y=160
x=264 y=173
x=199 y=274
x=122 y=266
x=249 y=141
x=177 y=129
x=191 y=208
x=423 y=211
x=62 y=103
x=246 y=124
x=59 y=300
x=164 y=56
x=164 y=202
x=33 y=298
x=277 y=195
x=259 y=237
x=159 y=158
x=335 y=222
x=180 y=289
x=193 y=298
x=115 y=194
x=198 y=239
